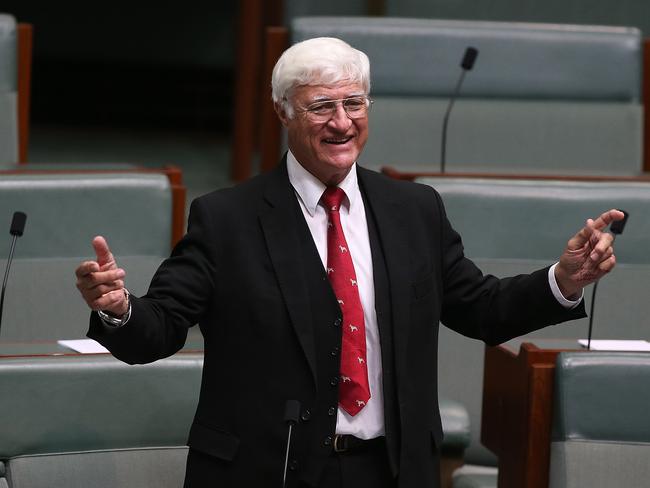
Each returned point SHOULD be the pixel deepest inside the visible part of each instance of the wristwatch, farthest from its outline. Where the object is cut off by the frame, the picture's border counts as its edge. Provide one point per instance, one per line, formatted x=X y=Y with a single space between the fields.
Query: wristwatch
x=117 y=321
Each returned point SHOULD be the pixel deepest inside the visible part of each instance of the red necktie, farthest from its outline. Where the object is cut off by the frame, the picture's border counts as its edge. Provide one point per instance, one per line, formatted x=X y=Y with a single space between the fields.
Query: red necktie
x=354 y=391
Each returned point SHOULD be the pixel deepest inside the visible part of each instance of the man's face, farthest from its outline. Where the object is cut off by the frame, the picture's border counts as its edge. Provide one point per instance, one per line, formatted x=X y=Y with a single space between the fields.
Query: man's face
x=326 y=149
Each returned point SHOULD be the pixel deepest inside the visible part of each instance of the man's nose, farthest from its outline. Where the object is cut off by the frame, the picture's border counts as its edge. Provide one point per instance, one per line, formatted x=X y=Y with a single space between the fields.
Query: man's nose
x=340 y=119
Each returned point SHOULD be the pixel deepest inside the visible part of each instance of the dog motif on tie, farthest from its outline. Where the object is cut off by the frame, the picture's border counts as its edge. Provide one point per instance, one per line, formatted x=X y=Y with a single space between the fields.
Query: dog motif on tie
x=354 y=387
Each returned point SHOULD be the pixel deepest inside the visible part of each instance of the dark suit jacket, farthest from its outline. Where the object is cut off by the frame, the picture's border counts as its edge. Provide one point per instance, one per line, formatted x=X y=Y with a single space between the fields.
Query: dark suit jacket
x=249 y=274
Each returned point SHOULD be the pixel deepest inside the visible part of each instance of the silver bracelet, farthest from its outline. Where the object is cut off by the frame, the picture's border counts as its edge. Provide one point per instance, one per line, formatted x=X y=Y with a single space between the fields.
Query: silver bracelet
x=117 y=321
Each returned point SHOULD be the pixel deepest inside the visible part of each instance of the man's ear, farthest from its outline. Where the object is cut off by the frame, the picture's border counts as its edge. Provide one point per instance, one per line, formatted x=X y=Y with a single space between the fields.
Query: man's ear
x=282 y=113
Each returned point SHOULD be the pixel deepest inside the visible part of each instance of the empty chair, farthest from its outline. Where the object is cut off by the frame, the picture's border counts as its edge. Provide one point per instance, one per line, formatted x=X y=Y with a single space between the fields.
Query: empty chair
x=80 y=421
x=15 y=74
x=601 y=433
x=64 y=212
x=8 y=89
x=542 y=98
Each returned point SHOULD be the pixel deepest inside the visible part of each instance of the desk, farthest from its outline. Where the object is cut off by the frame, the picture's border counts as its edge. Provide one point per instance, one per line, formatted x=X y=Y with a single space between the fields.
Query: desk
x=39 y=349
x=517 y=408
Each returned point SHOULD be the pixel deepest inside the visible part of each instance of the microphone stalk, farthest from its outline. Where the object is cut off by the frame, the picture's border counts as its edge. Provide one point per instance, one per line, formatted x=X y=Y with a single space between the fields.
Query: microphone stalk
x=16 y=230
x=616 y=228
x=291 y=414
x=466 y=64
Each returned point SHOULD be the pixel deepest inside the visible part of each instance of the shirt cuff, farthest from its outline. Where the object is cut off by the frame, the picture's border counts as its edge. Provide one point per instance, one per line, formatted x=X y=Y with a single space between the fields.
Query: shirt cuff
x=555 y=289
x=111 y=321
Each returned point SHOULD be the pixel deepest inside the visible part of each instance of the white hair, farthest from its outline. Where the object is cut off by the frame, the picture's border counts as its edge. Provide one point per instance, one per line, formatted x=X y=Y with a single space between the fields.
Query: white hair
x=318 y=61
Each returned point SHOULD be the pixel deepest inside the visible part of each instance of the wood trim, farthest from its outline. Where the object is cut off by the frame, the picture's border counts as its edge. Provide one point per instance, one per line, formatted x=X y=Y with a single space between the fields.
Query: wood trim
x=517 y=412
x=646 y=104
x=248 y=67
x=179 y=193
x=376 y=7
x=409 y=176
x=173 y=173
x=540 y=416
x=449 y=464
x=25 y=44
x=273 y=12
x=277 y=40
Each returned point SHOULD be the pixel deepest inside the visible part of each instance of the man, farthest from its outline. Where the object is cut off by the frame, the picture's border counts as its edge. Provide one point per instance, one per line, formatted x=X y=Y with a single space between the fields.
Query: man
x=325 y=282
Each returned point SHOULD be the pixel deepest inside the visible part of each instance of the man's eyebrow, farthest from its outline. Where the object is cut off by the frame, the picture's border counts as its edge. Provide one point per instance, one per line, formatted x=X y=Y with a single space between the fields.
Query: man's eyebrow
x=325 y=98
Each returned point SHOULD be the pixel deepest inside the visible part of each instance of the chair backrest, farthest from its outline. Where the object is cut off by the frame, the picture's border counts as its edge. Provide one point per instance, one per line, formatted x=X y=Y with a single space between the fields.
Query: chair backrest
x=601 y=433
x=542 y=98
x=8 y=90
x=512 y=226
x=79 y=421
x=619 y=12
x=64 y=212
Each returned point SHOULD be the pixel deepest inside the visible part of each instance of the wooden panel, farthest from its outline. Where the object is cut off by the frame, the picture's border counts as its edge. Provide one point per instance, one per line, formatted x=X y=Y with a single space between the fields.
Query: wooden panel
x=410 y=176
x=25 y=39
x=449 y=464
x=277 y=40
x=376 y=7
x=540 y=411
x=179 y=194
x=247 y=74
x=517 y=413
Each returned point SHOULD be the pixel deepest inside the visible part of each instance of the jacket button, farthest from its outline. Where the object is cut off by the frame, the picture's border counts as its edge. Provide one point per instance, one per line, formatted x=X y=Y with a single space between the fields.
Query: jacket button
x=327 y=441
x=337 y=322
x=334 y=381
x=331 y=411
x=306 y=415
x=293 y=465
x=335 y=351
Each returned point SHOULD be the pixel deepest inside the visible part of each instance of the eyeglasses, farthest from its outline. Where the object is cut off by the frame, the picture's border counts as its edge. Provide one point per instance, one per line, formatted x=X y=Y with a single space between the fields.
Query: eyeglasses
x=355 y=108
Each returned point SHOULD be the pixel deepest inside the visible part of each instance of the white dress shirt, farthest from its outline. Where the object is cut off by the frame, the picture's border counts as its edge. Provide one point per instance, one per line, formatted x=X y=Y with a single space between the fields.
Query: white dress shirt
x=369 y=422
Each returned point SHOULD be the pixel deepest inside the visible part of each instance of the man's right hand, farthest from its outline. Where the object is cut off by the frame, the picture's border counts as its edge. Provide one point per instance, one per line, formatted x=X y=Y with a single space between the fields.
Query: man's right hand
x=101 y=282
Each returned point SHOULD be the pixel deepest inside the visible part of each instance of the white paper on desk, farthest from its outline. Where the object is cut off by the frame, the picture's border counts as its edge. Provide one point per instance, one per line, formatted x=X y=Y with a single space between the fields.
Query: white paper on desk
x=611 y=345
x=84 y=346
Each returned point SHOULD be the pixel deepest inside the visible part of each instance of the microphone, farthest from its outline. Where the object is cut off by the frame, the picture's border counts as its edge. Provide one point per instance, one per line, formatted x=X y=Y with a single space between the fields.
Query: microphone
x=291 y=414
x=469 y=58
x=618 y=226
x=615 y=228
x=16 y=230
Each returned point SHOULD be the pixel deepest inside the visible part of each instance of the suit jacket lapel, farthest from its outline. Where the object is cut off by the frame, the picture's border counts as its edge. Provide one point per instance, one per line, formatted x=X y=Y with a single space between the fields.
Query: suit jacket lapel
x=278 y=219
x=389 y=215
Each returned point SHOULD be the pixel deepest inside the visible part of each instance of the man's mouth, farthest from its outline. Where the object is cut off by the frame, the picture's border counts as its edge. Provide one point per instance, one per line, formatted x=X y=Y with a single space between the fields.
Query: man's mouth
x=338 y=141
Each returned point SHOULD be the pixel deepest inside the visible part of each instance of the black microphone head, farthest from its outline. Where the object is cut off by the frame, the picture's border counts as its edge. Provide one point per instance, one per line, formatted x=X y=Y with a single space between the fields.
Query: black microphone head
x=471 y=53
x=18 y=224
x=617 y=226
x=292 y=411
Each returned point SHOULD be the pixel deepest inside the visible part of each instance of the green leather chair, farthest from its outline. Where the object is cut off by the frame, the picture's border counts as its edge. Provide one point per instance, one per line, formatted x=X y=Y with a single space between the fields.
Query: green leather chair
x=80 y=421
x=542 y=98
x=612 y=12
x=8 y=90
x=601 y=433
x=64 y=212
x=511 y=226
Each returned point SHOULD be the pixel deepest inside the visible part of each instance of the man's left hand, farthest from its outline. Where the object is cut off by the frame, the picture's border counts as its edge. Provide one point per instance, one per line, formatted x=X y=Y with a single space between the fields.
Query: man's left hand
x=589 y=255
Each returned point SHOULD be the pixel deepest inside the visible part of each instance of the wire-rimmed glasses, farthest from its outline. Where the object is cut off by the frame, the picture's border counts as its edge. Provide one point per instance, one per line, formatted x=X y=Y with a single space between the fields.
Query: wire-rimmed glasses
x=323 y=111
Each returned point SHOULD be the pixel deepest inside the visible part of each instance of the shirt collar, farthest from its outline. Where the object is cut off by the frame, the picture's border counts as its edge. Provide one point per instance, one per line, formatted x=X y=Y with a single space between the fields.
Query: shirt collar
x=310 y=189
